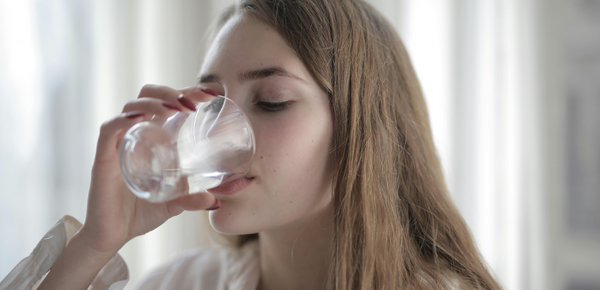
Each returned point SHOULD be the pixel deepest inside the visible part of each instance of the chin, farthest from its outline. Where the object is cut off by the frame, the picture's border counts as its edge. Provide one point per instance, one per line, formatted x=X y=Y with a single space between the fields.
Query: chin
x=229 y=222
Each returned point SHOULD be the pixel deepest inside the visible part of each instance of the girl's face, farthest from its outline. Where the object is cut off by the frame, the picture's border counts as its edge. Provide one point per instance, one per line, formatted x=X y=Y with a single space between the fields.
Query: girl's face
x=250 y=63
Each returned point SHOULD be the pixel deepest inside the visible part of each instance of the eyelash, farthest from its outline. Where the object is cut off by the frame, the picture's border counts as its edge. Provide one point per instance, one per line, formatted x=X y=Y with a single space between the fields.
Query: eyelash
x=273 y=106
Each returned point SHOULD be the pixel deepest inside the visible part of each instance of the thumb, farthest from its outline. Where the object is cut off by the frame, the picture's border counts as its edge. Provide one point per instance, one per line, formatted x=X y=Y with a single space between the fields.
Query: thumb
x=193 y=202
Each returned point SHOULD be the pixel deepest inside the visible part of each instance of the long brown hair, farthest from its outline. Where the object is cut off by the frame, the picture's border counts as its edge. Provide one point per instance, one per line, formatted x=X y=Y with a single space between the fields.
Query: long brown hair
x=395 y=226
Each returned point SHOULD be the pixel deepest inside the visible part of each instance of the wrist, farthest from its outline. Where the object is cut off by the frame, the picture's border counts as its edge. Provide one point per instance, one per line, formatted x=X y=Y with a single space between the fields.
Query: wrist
x=77 y=265
x=86 y=241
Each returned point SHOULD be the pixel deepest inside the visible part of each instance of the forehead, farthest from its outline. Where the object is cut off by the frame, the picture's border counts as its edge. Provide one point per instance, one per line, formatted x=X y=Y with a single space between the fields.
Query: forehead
x=247 y=43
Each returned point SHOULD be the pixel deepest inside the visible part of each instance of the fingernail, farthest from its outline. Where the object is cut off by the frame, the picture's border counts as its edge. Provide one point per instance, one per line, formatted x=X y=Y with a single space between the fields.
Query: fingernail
x=171 y=106
x=186 y=102
x=210 y=91
x=134 y=114
x=216 y=206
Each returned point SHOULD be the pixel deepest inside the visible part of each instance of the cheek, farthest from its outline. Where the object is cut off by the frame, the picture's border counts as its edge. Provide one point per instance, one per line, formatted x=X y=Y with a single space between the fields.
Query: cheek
x=290 y=169
x=292 y=150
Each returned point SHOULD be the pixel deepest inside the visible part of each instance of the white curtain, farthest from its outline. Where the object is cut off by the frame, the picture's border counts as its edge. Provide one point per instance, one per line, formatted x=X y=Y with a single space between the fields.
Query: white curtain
x=65 y=67
x=513 y=95
x=492 y=73
x=488 y=73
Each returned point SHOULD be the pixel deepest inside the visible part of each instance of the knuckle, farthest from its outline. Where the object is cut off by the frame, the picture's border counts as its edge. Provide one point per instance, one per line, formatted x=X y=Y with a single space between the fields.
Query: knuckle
x=106 y=126
x=128 y=105
x=110 y=125
x=146 y=89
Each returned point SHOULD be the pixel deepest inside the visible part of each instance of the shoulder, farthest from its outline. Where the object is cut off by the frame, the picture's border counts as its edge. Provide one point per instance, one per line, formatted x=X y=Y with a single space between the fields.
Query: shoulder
x=205 y=268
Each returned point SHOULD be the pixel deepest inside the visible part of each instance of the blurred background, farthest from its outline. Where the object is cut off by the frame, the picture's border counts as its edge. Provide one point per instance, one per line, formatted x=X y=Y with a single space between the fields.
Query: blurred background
x=513 y=89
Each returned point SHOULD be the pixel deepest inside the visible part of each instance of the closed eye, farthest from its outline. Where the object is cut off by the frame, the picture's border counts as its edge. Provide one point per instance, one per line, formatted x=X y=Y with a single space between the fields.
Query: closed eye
x=273 y=106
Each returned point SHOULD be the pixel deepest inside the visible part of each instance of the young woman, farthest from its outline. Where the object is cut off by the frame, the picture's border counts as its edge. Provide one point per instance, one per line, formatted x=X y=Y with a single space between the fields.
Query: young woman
x=346 y=191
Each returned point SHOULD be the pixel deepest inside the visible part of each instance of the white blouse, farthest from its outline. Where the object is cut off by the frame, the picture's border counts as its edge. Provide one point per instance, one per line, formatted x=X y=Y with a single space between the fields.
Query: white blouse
x=214 y=268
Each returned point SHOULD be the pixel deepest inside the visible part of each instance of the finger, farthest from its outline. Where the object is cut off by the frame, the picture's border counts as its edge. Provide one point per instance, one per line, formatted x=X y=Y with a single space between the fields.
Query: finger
x=168 y=95
x=199 y=94
x=112 y=131
x=152 y=107
x=158 y=92
x=193 y=202
x=184 y=98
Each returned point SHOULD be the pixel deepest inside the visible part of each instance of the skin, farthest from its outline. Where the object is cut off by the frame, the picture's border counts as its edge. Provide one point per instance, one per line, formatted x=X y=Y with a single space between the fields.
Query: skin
x=288 y=199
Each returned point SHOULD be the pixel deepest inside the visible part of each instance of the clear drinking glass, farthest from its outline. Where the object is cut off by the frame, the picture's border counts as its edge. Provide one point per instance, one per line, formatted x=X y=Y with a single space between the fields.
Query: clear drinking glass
x=189 y=152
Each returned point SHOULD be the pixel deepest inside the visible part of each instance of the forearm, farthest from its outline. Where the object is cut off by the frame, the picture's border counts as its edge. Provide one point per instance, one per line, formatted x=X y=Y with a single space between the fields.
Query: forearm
x=76 y=267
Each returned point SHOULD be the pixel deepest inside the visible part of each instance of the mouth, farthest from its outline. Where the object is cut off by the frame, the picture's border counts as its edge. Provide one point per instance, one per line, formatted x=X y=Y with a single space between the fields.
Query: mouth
x=232 y=187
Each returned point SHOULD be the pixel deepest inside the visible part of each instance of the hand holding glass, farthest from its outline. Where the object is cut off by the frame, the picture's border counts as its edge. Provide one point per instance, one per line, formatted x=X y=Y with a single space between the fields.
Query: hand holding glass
x=188 y=152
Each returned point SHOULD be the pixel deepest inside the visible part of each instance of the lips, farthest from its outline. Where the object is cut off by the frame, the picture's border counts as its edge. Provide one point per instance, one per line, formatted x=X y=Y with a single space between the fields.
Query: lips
x=232 y=187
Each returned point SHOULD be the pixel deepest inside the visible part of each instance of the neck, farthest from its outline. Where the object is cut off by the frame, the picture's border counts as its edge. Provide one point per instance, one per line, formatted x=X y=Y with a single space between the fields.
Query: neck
x=297 y=257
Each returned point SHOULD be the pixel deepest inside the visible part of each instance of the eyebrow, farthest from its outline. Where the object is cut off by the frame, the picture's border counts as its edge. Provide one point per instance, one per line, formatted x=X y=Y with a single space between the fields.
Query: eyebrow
x=251 y=75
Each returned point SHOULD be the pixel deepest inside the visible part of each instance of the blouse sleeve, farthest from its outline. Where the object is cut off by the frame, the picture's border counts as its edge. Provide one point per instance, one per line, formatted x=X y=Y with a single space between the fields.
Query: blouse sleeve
x=32 y=270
